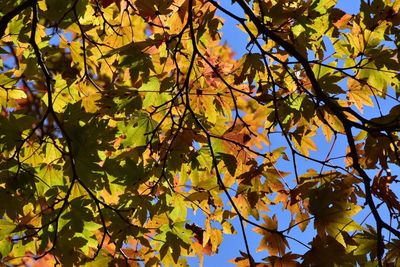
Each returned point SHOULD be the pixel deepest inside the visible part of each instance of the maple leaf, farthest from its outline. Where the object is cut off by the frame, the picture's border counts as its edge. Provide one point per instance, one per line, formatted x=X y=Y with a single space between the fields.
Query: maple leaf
x=275 y=243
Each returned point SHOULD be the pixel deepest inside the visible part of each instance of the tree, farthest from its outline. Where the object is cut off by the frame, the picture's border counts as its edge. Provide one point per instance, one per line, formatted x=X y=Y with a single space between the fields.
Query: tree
x=121 y=118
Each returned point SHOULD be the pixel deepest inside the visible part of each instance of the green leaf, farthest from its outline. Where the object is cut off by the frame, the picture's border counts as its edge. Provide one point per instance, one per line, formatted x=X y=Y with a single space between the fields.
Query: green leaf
x=5 y=247
x=152 y=93
x=6 y=228
x=138 y=130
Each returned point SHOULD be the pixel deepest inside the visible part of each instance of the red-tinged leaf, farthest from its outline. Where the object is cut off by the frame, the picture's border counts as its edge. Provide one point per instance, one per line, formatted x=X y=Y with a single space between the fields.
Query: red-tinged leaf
x=343 y=21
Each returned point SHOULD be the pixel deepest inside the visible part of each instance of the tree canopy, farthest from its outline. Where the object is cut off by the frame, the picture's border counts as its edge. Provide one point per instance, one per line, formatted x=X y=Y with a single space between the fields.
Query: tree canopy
x=131 y=134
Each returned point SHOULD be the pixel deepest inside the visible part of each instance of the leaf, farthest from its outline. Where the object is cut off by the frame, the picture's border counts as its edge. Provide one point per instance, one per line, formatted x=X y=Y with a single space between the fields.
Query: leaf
x=179 y=210
x=8 y=97
x=50 y=176
x=228 y=228
x=250 y=65
x=288 y=259
x=343 y=21
x=5 y=247
x=62 y=95
x=322 y=6
x=153 y=95
x=274 y=242
x=367 y=242
x=243 y=260
x=304 y=143
x=359 y=94
x=138 y=130
x=6 y=228
x=100 y=260
x=331 y=216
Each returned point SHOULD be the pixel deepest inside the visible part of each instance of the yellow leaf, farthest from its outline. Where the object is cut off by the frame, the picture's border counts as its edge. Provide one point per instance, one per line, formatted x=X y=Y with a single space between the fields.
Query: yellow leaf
x=359 y=94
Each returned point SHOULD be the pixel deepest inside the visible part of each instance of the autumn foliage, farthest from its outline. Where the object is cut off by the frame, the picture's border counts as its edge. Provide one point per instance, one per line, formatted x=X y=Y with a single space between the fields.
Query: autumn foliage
x=132 y=135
